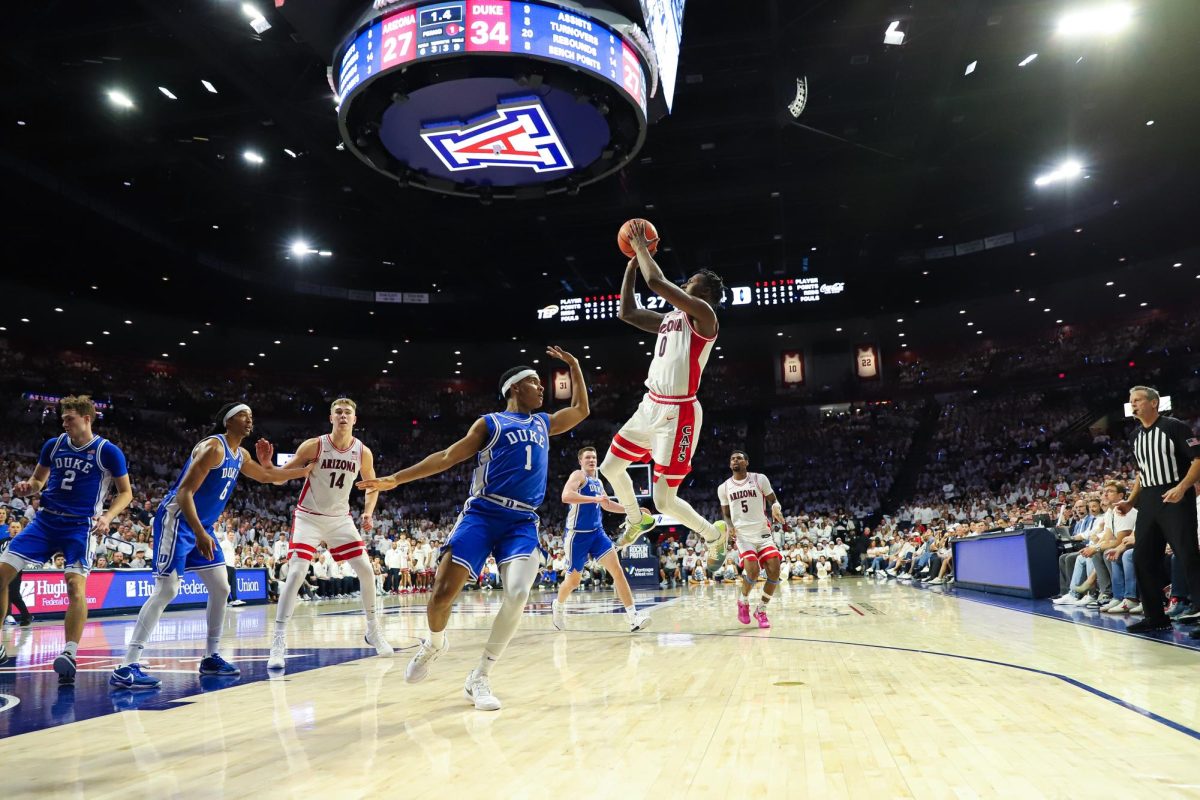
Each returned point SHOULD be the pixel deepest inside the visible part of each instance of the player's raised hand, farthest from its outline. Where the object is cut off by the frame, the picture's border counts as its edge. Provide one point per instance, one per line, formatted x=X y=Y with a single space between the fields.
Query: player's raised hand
x=378 y=484
x=265 y=451
x=554 y=351
x=637 y=236
x=23 y=489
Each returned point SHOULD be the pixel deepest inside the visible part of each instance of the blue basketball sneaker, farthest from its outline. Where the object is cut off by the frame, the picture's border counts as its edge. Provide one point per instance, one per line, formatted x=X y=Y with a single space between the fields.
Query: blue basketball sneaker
x=215 y=665
x=132 y=677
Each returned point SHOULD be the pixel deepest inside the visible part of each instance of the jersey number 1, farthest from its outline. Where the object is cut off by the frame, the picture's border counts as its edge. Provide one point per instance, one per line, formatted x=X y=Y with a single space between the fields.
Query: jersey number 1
x=528 y=456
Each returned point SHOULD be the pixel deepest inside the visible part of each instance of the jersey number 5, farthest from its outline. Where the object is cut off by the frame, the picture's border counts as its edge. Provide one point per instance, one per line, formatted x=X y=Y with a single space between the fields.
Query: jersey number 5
x=745 y=508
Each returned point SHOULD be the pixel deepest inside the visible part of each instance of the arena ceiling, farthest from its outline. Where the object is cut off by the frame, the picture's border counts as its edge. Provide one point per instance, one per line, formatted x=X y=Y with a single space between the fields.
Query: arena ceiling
x=899 y=155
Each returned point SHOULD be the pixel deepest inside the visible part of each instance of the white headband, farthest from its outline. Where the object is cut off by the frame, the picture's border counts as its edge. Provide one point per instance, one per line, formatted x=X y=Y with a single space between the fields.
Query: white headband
x=239 y=408
x=520 y=376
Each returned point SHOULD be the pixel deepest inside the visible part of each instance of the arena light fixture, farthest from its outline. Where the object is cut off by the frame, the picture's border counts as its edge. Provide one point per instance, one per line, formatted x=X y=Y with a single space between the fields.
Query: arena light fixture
x=300 y=248
x=893 y=34
x=970 y=69
x=1177 y=265
x=1097 y=20
x=327 y=254
x=253 y=157
x=1029 y=59
x=208 y=85
x=292 y=153
x=119 y=99
x=1067 y=170
x=167 y=93
x=1149 y=122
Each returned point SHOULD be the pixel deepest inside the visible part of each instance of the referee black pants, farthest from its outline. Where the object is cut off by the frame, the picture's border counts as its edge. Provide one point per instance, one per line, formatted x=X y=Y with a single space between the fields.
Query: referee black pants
x=14 y=597
x=1160 y=524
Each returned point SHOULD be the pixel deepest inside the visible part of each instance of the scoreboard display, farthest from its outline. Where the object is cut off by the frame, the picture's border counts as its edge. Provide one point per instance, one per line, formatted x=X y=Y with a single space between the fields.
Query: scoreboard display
x=498 y=26
x=783 y=291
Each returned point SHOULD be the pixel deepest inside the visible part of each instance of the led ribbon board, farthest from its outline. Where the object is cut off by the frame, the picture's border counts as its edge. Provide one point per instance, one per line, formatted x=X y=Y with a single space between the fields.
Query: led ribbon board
x=503 y=99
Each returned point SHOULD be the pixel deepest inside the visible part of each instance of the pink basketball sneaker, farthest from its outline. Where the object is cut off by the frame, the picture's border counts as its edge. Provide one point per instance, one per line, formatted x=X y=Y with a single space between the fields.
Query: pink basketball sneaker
x=743 y=613
x=761 y=616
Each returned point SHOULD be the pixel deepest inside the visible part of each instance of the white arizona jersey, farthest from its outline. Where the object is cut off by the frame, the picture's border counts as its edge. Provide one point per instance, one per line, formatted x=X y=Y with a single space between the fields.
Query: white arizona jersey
x=327 y=489
x=747 y=501
x=680 y=354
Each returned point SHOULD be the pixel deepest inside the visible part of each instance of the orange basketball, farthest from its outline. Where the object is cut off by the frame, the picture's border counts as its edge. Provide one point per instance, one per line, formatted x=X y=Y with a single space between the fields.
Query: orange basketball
x=623 y=237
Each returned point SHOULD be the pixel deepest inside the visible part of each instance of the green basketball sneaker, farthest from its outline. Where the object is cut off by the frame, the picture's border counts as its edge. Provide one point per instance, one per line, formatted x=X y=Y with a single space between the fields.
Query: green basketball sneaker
x=717 y=547
x=630 y=533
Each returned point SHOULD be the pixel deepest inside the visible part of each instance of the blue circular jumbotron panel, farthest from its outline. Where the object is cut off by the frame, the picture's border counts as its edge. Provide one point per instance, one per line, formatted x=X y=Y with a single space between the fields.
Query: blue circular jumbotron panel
x=494 y=132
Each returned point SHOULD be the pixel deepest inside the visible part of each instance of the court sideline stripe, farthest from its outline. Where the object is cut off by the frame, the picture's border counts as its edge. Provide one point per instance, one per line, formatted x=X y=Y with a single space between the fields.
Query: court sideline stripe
x=1071 y=681
x=1043 y=615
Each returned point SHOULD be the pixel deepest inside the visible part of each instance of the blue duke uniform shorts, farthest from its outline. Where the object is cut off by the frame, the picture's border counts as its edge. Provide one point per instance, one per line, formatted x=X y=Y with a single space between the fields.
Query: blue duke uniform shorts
x=48 y=534
x=485 y=528
x=580 y=544
x=175 y=546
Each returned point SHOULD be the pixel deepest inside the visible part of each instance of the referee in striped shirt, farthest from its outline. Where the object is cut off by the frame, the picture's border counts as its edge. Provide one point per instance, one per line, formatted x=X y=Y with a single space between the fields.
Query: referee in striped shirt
x=1168 y=465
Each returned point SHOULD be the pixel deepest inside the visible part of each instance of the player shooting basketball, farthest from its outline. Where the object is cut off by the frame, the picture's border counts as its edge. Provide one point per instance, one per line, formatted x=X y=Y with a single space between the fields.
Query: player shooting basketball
x=666 y=425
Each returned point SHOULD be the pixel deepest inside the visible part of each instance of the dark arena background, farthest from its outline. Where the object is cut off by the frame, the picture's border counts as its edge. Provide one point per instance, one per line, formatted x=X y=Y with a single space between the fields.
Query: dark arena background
x=957 y=343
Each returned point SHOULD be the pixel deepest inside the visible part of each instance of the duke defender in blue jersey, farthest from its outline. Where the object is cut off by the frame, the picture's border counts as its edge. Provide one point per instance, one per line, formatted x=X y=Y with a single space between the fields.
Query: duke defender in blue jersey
x=584 y=493
x=512 y=449
x=75 y=473
x=183 y=537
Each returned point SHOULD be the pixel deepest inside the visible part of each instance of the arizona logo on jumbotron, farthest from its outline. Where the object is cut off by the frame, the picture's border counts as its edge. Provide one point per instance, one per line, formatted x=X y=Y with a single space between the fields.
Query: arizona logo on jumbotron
x=518 y=133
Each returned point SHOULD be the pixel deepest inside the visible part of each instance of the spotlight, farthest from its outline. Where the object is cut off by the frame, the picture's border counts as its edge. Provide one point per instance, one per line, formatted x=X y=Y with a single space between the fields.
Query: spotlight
x=1098 y=20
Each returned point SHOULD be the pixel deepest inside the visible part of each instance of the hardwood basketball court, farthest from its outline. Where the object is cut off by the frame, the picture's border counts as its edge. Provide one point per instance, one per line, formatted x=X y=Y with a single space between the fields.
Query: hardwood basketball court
x=858 y=690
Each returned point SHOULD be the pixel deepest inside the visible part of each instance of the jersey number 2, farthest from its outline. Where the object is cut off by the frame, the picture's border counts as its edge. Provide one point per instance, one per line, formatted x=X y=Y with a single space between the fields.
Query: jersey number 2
x=68 y=479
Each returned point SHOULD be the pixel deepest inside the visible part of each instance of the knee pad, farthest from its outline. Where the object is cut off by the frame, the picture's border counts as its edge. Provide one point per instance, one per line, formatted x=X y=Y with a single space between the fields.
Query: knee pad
x=167 y=585
x=612 y=464
x=664 y=496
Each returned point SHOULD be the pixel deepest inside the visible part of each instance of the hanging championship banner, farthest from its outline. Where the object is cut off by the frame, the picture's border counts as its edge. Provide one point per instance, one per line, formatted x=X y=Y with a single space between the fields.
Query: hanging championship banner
x=562 y=384
x=792 y=367
x=866 y=362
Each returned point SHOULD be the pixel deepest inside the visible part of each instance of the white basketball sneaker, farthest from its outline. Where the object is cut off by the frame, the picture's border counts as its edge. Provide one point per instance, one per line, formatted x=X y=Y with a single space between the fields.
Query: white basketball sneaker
x=376 y=639
x=478 y=690
x=640 y=620
x=558 y=615
x=278 y=652
x=418 y=668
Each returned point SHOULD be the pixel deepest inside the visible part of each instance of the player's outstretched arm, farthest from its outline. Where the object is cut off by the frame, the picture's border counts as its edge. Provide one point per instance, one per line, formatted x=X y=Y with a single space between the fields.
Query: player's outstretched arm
x=695 y=307
x=269 y=474
x=372 y=496
x=564 y=419
x=305 y=453
x=640 y=318
x=432 y=464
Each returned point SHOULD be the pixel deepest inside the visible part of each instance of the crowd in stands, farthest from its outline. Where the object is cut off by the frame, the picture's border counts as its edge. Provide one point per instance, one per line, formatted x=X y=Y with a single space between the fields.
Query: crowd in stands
x=986 y=462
